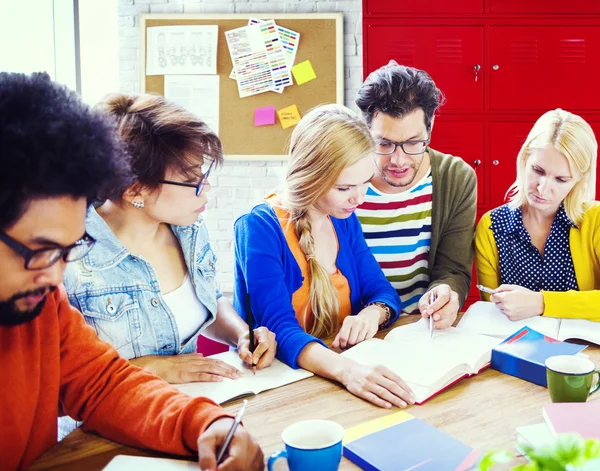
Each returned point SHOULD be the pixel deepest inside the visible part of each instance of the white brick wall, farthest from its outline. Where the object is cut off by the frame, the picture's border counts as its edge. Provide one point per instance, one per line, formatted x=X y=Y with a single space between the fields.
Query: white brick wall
x=238 y=185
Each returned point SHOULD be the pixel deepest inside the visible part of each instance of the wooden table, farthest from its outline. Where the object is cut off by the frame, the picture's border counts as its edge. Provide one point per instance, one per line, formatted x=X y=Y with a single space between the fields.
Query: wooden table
x=482 y=411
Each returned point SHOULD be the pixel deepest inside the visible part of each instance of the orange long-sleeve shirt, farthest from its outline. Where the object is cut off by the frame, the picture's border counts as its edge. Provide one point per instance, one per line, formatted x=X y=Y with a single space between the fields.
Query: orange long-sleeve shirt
x=58 y=358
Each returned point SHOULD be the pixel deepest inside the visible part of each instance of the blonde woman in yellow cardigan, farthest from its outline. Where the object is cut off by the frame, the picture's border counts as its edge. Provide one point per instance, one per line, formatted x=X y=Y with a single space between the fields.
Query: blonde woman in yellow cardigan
x=541 y=251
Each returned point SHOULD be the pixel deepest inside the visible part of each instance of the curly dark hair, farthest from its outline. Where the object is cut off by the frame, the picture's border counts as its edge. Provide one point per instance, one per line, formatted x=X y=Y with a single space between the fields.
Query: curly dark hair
x=397 y=90
x=160 y=135
x=52 y=144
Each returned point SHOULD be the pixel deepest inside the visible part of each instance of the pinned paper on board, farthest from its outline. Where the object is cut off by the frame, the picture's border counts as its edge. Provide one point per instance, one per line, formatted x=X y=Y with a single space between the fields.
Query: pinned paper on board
x=289 y=116
x=304 y=72
x=188 y=49
x=288 y=39
x=258 y=59
x=264 y=116
x=198 y=94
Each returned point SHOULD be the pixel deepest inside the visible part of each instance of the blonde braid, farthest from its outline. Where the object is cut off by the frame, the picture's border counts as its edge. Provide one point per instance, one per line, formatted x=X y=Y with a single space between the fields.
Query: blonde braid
x=323 y=298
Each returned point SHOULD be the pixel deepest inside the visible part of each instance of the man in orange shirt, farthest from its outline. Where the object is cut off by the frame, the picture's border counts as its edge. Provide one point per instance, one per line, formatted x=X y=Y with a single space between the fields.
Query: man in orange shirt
x=56 y=155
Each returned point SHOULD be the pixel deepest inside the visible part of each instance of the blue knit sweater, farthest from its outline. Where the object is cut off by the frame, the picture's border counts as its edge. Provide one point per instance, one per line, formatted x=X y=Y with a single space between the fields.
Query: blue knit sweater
x=266 y=268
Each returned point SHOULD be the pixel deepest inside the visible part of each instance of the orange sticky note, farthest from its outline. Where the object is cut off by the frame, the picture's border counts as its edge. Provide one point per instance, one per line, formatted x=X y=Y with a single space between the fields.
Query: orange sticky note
x=303 y=72
x=289 y=116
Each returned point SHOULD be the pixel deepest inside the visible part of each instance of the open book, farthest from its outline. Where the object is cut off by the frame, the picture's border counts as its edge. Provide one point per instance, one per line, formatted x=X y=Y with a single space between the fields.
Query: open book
x=276 y=375
x=428 y=366
x=485 y=318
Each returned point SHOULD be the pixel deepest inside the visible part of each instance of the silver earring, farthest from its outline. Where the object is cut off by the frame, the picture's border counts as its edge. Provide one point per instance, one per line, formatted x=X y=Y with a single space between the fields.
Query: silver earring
x=138 y=204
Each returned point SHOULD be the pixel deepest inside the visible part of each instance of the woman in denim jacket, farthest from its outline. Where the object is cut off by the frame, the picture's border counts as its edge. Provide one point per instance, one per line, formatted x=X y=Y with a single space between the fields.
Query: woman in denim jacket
x=148 y=286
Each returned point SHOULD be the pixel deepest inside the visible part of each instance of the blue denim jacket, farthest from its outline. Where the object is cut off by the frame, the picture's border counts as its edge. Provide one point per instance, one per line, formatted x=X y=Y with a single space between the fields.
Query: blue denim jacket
x=119 y=295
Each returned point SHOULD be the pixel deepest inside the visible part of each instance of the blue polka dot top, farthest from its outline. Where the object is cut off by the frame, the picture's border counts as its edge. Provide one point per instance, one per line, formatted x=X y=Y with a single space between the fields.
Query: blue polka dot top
x=521 y=262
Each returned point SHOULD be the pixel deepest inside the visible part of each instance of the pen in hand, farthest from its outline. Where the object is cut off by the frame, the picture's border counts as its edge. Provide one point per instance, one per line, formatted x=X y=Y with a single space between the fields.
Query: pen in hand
x=431 y=301
x=228 y=438
x=250 y=320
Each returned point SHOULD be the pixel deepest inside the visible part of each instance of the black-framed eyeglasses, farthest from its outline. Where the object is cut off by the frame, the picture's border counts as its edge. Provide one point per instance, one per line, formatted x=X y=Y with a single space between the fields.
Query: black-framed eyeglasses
x=386 y=147
x=199 y=187
x=44 y=258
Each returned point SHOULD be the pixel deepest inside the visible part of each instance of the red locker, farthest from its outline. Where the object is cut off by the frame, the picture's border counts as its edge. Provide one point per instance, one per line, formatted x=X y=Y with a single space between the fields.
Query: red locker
x=450 y=54
x=544 y=67
x=423 y=6
x=463 y=139
x=544 y=6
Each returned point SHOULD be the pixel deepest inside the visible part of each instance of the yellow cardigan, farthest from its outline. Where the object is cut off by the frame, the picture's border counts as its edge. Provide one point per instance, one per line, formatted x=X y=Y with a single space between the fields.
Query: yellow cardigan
x=585 y=250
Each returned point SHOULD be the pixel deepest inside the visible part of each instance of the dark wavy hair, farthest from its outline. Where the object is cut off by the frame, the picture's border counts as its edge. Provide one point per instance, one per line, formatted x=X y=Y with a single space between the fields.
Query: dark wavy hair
x=397 y=90
x=52 y=145
x=160 y=135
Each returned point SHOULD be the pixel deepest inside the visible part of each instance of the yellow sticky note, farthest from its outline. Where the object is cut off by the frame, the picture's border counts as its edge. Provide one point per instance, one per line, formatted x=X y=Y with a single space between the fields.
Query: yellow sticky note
x=303 y=72
x=289 y=116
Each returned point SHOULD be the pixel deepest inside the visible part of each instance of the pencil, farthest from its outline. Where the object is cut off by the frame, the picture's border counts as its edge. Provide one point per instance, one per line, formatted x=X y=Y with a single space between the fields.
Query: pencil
x=250 y=319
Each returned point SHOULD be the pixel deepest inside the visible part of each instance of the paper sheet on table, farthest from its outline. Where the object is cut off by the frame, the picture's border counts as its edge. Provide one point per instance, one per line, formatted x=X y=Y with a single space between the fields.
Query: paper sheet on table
x=258 y=58
x=198 y=94
x=182 y=50
x=129 y=463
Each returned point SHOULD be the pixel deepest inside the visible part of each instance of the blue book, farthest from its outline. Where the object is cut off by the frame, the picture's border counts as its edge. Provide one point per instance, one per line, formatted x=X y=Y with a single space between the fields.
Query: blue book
x=524 y=354
x=399 y=442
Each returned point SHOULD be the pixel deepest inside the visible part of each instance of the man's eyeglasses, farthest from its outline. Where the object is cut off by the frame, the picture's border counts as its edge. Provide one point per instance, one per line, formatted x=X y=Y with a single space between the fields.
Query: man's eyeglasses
x=386 y=147
x=199 y=187
x=44 y=258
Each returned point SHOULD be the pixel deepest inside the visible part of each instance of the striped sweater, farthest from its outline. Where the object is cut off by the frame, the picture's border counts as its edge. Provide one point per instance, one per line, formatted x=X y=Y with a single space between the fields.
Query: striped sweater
x=397 y=228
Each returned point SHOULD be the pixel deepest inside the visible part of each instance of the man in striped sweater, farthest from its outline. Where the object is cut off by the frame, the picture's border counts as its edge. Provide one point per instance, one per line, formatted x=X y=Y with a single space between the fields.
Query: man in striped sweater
x=418 y=216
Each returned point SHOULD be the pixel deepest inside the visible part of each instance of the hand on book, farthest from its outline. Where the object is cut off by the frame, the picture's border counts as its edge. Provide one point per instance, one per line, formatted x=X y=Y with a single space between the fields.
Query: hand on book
x=378 y=385
x=517 y=302
x=243 y=452
x=357 y=328
x=187 y=368
x=444 y=308
x=264 y=353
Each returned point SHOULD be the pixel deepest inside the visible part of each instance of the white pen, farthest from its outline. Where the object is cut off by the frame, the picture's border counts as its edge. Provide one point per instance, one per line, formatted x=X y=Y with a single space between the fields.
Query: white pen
x=229 y=437
x=431 y=301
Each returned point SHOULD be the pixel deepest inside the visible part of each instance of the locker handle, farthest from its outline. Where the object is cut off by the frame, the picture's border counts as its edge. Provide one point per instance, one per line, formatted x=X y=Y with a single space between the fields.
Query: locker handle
x=495 y=162
x=476 y=68
x=477 y=163
x=495 y=67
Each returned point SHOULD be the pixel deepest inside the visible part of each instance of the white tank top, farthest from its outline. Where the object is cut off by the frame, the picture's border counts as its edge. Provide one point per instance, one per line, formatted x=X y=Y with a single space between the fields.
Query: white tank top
x=187 y=309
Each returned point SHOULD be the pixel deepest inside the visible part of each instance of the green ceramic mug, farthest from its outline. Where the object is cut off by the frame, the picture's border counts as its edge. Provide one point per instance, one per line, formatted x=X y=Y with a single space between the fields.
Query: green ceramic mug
x=570 y=378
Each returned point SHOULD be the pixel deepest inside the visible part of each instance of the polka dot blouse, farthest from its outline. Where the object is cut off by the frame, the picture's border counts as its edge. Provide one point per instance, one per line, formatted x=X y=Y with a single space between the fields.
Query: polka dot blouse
x=521 y=262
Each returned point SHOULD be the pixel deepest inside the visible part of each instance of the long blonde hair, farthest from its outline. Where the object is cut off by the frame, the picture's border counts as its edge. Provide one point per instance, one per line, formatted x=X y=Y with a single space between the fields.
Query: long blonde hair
x=326 y=141
x=573 y=137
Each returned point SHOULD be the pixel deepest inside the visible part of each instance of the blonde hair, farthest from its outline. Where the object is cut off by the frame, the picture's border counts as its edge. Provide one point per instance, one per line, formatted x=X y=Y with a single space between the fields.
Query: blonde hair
x=326 y=141
x=573 y=137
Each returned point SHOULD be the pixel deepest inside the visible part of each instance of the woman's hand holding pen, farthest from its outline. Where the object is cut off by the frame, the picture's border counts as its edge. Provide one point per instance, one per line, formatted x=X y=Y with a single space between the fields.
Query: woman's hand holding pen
x=444 y=307
x=243 y=452
x=264 y=351
x=517 y=302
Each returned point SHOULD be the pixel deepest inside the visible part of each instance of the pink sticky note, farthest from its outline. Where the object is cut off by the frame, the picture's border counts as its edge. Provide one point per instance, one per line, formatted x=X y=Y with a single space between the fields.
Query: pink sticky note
x=264 y=116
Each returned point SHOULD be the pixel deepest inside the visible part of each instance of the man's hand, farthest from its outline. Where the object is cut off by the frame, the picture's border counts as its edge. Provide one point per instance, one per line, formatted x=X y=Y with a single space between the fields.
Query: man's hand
x=355 y=329
x=266 y=347
x=186 y=368
x=444 y=309
x=517 y=302
x=243 y=452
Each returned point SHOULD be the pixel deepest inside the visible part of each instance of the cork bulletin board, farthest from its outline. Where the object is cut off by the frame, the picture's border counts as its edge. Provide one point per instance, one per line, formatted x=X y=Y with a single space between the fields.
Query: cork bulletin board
x=321 y=42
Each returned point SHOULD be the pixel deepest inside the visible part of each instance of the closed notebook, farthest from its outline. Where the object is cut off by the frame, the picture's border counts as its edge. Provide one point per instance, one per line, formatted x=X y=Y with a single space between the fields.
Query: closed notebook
x=573 y=417
x=524 y=354
x=536 y=435
x=485 y=318
x=401 y=442
x=428 y=366
x=274 y=376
